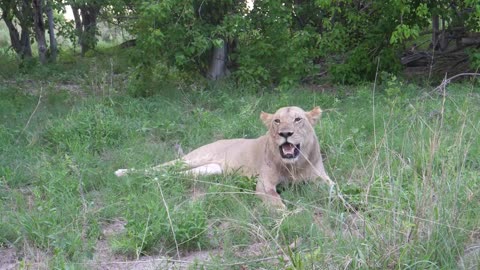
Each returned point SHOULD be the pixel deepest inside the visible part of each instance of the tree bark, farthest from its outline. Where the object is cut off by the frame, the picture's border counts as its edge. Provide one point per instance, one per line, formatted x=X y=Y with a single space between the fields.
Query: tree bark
x=218 y=67
x=89 y=22
x=443 y=40
x=25 y=23
x=85 y=17
x=19 y=41
x=435 y=31
x=14 y=36
x=51 y=31
x=26 y=51
x=78 y=25
x=39 y=27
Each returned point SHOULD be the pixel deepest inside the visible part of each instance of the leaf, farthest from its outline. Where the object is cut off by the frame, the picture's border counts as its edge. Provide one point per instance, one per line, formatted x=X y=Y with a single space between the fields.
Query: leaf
x=218 y=42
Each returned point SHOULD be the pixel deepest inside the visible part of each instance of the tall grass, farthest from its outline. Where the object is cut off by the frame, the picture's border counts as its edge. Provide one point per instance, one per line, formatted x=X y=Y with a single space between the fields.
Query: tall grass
x=407 y=161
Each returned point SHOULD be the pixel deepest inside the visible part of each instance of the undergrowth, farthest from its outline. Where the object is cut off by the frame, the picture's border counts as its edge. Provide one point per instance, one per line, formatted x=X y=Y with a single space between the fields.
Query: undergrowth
x=406 y=159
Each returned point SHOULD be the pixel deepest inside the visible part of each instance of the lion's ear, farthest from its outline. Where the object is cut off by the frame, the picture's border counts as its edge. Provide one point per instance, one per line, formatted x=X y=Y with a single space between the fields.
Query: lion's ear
x=266 y=118
x=314 y=115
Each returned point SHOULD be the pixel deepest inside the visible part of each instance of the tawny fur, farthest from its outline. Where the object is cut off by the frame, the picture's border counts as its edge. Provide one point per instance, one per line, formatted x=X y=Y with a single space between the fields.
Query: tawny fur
x=261 y=157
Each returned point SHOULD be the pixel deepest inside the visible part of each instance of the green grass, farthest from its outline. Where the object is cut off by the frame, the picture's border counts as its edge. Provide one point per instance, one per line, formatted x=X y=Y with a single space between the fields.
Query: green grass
x=406 y=159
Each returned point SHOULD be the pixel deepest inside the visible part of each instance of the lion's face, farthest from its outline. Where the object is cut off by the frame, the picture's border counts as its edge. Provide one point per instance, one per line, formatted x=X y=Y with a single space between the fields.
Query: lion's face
x=291 y=130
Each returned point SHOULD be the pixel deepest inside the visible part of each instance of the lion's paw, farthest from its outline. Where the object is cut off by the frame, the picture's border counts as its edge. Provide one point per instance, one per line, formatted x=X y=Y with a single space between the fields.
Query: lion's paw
x=121 y=172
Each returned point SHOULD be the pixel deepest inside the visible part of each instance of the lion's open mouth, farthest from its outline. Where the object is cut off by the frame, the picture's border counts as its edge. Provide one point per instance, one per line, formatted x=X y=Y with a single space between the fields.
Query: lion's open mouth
x=289 y=151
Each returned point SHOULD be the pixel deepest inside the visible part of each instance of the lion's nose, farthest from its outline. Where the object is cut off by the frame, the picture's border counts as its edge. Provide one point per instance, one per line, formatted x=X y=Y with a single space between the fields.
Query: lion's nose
x=285 y=134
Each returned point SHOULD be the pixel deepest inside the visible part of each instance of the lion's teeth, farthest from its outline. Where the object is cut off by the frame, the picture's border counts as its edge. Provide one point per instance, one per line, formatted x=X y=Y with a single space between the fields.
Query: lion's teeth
x=288 y=149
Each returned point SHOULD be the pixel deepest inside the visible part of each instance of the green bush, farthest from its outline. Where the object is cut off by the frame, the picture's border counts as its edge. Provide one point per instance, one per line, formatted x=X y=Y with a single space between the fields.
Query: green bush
x=474 y=56
x=9 y=67
x=361 y=65
x=271 y=52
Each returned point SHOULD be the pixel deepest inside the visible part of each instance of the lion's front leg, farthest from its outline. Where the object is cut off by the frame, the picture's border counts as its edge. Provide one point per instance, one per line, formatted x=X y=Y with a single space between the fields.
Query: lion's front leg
x=267 y=191
x=320 y=172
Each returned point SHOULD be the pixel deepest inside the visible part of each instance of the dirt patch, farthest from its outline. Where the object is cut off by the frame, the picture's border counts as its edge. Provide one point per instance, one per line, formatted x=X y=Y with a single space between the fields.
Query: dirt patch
x=8 y=258
x=471 y=255
x=105 y=258
x=471 y=258
x=34 y=88
x=353 y=225
x=253 y=250
x=27 y=258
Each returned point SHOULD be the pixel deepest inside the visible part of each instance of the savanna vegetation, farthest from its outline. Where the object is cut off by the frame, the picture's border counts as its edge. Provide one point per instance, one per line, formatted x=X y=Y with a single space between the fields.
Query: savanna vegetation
x=136 y=83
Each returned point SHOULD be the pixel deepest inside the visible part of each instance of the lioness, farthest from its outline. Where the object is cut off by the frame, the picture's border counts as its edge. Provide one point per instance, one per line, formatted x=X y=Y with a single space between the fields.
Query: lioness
x=289 y=152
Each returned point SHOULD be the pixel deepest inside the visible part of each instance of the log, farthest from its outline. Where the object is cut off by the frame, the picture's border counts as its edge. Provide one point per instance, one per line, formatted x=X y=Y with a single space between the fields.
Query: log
x=468 y=41
x=406 y=60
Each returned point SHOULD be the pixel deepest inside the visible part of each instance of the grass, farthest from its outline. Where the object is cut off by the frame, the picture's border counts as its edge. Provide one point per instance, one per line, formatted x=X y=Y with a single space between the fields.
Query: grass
x=406 y=159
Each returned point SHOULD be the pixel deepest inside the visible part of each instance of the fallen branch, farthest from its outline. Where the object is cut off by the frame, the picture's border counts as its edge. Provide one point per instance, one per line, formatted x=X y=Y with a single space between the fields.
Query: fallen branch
x=441 y=89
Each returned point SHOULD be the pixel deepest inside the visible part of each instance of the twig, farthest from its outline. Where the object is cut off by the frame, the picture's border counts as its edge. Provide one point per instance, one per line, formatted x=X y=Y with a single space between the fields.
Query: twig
x=432 y=59
x=373 y=104
x=31 y=116
x=441 y=89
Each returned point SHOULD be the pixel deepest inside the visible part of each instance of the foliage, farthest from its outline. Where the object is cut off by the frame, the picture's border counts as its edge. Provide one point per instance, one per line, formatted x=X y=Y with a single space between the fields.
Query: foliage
x=271 y=51
x=281 y=43
x=178 y=37
x=474 y=56
x=66 y=29
x=9 y=65
x=272 y=43
x=406 y=161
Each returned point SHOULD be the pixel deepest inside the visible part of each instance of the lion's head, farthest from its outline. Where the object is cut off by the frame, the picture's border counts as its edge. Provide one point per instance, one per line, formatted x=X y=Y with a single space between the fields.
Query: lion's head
x=291 y=131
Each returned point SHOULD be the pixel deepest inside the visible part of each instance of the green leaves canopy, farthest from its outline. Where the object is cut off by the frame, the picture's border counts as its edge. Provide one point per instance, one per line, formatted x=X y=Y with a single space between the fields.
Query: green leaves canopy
x=281 y=43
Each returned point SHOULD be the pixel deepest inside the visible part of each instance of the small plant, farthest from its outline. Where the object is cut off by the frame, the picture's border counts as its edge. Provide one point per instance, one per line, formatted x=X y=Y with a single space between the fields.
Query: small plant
x=91 y=129
x=474 y=56
x=10 y=65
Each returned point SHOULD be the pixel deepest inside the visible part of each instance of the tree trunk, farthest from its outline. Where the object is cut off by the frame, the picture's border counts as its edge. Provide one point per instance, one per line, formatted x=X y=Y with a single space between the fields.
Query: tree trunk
x=218 y=67
x=39 y=27
x=85 y=17
x=89 y=22
x=20 y=41
x=14 y=36
x=78 y=25
x=435 y=31
x=51 y=31
x=25 y=43
x=443 y=39
x=25 y=18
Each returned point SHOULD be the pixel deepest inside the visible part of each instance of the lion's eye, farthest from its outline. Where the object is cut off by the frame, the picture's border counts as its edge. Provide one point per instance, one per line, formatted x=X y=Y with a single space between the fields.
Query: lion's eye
x=298 y=119
x=277 y=121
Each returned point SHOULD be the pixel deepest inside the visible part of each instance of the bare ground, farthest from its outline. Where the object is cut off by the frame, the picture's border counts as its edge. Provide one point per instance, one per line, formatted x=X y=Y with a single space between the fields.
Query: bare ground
x=106 y=259
x=27 y=258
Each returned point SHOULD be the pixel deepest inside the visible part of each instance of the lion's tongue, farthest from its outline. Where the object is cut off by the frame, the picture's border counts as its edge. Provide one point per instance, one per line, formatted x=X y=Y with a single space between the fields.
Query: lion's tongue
x=288 y=149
